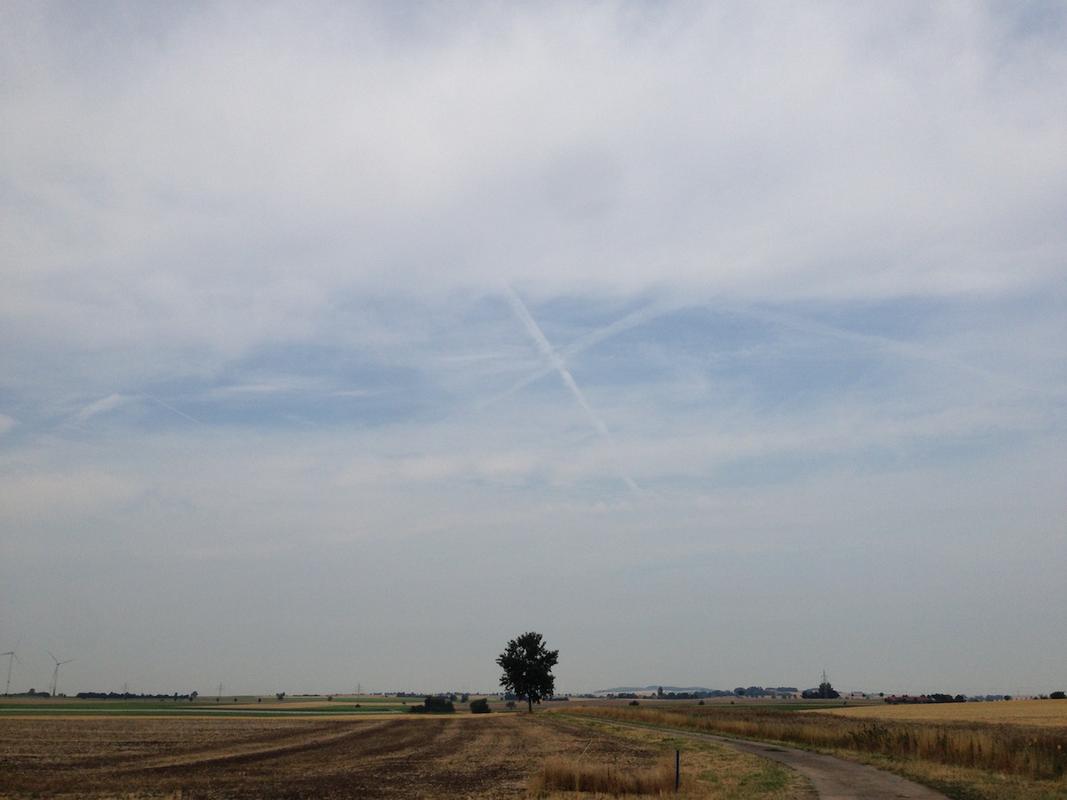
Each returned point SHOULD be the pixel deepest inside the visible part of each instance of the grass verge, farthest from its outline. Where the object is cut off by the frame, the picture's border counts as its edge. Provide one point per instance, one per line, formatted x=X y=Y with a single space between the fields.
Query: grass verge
x=964 y=761
x=710 y=771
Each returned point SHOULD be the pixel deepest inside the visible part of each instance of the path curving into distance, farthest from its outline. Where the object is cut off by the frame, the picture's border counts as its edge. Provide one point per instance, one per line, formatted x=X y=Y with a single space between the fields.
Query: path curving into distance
x=833 y=778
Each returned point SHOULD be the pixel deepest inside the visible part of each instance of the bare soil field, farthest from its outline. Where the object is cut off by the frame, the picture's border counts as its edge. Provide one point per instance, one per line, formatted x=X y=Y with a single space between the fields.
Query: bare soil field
x=211 y=758
x=1044 y=713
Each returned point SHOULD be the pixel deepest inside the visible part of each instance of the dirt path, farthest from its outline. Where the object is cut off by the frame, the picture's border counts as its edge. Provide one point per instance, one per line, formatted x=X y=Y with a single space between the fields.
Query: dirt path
x=833 y=778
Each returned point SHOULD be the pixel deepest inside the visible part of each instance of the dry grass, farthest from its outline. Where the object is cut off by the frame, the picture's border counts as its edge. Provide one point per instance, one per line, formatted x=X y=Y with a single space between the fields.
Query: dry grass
x=710 y=771
x=574 y=775
x=965 y=782
x=1036 y=713
x=1037 y=753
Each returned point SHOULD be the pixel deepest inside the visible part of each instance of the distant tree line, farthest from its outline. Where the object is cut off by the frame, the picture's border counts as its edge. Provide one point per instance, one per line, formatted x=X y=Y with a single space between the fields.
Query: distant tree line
x=701 y=694
x=453 y=696
x=130 y=696
x=759 y=691
x=935 y=697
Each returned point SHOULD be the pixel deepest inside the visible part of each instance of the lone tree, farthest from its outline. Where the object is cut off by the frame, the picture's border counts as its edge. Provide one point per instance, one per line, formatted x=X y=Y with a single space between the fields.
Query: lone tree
x=527 y=666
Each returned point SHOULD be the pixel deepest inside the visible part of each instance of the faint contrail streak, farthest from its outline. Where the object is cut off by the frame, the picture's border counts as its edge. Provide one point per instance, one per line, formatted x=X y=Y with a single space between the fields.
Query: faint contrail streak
x=169 y=407
x=549 y=353
x=877 y=342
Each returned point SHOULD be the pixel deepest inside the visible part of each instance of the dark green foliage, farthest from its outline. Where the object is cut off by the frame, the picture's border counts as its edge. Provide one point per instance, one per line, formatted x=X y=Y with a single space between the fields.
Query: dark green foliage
x=480 y=706
x=824 y=692
x=435 y=705
x=527 y=666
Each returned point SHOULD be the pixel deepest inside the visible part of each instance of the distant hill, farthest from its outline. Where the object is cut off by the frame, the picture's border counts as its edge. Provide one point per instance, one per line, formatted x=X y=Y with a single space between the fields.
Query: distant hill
x=653 y=688
x=751 y=691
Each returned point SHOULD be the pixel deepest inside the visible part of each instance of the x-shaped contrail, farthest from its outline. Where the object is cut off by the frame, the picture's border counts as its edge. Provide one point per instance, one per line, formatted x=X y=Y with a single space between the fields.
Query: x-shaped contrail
x=557 y=363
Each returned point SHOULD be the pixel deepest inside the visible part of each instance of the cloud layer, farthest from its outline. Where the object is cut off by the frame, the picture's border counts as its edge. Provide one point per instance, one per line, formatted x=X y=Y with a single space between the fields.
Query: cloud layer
x=366 y=322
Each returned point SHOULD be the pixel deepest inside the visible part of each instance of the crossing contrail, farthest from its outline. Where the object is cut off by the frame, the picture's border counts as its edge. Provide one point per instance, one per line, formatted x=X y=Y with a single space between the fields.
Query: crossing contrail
x=558 y=364
x=631 y=320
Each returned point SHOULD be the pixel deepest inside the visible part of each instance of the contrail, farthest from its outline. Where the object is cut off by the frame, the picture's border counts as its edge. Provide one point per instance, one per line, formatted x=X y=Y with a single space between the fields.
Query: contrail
x=631 y=320
x=169 y=407
x=774 y=317
x=883 y=343
x=553 y=358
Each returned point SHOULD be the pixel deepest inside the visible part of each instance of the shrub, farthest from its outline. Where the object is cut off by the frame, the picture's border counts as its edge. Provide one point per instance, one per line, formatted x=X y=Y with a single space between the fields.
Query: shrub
x=1057 y=696
x=435 y=705
x=634 y=703
x=480 y=706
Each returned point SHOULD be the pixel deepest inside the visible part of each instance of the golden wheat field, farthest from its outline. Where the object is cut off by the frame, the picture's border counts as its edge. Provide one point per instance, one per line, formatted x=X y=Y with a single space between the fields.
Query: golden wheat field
x=1044 y=713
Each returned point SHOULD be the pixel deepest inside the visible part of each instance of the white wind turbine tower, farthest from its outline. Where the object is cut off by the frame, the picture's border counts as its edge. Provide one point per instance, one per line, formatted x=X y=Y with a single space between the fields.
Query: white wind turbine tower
x=55 y=672
x=11 y=659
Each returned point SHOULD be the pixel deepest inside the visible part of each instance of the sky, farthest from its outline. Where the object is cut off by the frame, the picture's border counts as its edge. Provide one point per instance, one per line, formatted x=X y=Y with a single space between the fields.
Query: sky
x=721 y=343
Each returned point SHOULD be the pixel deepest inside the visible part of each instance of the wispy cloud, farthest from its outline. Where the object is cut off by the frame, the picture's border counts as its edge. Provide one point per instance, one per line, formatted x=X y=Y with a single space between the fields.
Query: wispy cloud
x=116 y=401
x=102 y=406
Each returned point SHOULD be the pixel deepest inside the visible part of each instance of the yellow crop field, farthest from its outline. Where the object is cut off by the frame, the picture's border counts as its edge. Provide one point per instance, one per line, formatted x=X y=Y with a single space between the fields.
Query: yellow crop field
x=1044 y=713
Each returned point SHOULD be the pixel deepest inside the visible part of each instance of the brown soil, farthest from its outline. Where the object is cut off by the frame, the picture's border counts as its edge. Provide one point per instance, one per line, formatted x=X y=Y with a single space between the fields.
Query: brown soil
x=279 y=758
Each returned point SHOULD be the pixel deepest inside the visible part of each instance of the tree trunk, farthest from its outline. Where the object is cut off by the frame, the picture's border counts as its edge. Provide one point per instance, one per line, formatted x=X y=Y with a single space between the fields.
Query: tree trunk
x=529 y=701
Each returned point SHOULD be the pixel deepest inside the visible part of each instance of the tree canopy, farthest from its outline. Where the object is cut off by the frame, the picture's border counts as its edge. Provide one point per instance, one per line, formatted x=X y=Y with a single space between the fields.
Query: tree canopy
x=527 y=665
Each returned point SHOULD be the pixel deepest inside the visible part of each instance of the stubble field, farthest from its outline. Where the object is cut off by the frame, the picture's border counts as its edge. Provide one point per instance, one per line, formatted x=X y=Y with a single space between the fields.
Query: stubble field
x=496 y=756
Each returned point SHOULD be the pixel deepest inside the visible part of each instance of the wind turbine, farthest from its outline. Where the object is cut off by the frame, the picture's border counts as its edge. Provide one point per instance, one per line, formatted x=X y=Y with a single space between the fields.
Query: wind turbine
x=55 y=672
x=11 y=659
